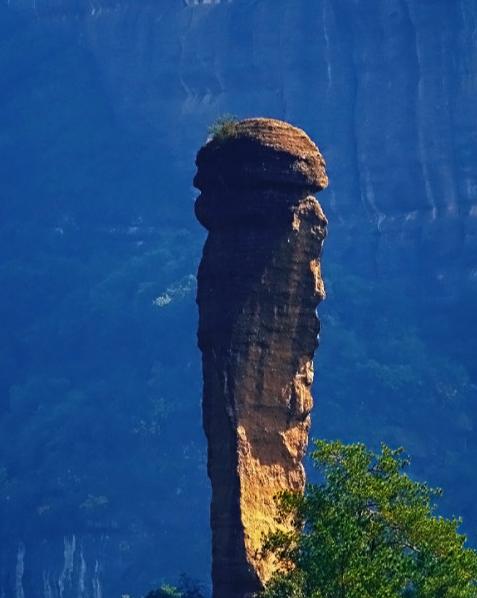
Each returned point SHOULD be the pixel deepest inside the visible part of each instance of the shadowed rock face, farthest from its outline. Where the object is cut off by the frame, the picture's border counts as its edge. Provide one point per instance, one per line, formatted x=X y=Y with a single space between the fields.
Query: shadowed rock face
x=258 y=289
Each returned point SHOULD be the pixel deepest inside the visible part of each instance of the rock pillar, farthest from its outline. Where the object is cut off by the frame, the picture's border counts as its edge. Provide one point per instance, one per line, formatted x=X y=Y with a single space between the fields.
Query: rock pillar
x=259 y=285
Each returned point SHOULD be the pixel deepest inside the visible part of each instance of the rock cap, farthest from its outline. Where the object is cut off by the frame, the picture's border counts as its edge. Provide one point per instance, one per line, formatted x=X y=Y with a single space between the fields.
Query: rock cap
x=260 y=152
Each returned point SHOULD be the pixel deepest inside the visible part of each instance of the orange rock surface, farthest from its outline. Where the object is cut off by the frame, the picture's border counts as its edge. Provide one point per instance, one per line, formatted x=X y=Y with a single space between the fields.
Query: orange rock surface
x=259 y=285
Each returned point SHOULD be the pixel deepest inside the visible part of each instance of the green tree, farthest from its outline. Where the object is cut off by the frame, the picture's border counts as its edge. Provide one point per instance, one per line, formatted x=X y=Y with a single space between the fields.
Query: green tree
x=368 y=531
x=165 y=591
x=186 y=588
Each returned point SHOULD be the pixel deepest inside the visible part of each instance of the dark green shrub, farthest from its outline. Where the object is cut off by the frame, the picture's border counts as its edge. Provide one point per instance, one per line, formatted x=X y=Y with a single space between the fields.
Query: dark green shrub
x=186 y=588
x=165 y=591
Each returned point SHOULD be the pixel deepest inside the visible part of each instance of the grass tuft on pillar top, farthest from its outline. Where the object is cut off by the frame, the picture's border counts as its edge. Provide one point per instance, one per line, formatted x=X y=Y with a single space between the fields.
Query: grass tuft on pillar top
x=223 y=128
x=368 y=531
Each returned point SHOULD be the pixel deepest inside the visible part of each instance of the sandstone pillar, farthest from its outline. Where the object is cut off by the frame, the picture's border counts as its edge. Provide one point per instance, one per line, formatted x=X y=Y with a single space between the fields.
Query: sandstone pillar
x=259 y=284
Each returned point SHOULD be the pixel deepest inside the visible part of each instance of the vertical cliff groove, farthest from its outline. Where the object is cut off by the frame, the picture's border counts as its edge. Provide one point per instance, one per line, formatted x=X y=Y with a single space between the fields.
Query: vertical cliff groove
x=259 y=286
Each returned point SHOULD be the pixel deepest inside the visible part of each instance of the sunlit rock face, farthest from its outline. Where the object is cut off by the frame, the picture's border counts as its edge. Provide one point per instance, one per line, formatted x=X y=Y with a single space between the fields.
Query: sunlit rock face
x=258 y=288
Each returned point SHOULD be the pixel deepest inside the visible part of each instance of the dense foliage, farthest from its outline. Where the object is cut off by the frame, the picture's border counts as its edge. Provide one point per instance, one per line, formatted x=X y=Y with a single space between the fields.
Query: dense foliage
x=388 y=369
x=368 y=531
x=186 y=588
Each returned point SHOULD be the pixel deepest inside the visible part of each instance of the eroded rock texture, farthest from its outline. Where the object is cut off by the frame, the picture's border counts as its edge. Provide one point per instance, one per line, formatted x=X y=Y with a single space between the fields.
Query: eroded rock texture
x=259 y=286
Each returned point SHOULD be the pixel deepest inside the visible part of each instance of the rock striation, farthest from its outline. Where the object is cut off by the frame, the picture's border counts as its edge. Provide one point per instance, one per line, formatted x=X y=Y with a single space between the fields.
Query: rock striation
x=259 y=285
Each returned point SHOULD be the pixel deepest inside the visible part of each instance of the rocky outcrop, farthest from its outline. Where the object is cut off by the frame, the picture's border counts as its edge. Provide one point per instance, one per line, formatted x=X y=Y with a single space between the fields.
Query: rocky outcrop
x=258 y=288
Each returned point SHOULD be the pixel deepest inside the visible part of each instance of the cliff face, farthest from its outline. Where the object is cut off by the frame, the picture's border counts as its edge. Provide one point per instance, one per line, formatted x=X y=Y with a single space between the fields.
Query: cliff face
x=387 y=88
x=258 y=288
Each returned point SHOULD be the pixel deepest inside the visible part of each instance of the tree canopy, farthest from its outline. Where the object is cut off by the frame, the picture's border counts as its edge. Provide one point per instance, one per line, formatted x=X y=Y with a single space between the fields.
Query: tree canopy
x=368 y=530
